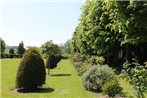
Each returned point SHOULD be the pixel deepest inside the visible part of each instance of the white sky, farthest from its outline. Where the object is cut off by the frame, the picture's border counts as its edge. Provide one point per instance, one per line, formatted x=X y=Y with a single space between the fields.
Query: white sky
x=38 y=21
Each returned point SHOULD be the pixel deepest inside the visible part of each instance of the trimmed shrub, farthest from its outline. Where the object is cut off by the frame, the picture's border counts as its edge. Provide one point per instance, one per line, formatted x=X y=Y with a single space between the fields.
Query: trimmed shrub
x=52 y=61
x=112 y=88
x=96 y=76
x=31 y=72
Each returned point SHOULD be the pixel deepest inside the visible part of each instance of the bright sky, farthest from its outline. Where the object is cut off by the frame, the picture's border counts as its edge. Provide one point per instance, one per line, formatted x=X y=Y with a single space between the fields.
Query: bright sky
x=35 y=22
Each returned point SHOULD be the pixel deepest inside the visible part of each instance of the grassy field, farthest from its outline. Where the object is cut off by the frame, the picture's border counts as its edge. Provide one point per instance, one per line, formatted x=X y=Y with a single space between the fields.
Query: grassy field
x=63 y=82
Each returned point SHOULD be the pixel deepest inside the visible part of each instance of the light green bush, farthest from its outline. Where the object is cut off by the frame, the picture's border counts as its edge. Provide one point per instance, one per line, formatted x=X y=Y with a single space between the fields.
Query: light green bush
x=96 y=76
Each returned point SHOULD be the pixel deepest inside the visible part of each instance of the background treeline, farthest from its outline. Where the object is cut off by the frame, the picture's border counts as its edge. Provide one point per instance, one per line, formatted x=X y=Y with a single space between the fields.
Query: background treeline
x=115 y=30
x=11 y=51
x=47 y=48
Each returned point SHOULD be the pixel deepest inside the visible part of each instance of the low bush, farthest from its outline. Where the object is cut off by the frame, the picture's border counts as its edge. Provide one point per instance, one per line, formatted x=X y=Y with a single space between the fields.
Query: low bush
x=80 y=63
x=94 y=60
x=112 y=88
x=77 y=58
x=82 y=69
x=11 y=55
x=96 y=76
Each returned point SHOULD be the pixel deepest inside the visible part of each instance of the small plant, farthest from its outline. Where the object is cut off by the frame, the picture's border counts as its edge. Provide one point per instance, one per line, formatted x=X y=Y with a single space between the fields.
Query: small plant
x=112 y=88
x=80 y=63
x=31 y=72
x=81 y=70
x=96 y=76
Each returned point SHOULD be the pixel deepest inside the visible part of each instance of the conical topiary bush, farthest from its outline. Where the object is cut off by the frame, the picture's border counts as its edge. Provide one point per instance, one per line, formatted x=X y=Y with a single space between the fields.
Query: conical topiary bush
x=31 y=72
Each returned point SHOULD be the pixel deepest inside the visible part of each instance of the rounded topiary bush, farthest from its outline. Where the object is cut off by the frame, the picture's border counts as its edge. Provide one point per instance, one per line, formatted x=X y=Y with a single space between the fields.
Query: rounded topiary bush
x=96 y=76
x=31 y=72
x=52 y=61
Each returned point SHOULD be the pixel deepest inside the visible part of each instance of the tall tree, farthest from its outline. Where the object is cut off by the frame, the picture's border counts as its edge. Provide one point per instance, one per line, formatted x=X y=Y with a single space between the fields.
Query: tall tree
x=21 y=48
x=50 y=48
x=108 y=27
x=11 y=51
x=2 y=45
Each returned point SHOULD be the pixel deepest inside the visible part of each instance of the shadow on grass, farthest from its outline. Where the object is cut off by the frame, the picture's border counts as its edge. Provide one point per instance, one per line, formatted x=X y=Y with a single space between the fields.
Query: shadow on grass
x=38 y=90
x=61 y=75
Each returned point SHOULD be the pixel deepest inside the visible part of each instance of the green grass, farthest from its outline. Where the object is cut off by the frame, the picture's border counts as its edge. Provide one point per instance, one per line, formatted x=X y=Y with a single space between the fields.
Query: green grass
x=63 y=82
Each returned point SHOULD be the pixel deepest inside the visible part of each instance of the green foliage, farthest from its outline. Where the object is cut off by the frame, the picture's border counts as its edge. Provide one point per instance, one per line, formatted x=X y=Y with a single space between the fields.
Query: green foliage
x=52 y=61
x=50 y=48
x=31 y=72
x=82 y=68
x=2 y=45
x=112 y=88
x=21 y=48
x=136 y=74
x=79 y=62
x=96 y=76
x=77 y=57
x=11 y=52
x=107 y=27
x=94 y=60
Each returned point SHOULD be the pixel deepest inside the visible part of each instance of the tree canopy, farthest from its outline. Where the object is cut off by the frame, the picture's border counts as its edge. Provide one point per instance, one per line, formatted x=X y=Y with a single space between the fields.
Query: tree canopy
x=21 y=48
x=50 y=48
x=112 y=28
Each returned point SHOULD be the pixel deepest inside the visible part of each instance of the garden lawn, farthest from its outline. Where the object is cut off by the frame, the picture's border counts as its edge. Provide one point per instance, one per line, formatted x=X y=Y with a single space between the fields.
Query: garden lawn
x=63 y=82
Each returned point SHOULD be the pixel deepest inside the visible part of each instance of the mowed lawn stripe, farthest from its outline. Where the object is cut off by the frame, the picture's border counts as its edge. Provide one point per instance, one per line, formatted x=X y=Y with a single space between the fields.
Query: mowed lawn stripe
x=62 y=82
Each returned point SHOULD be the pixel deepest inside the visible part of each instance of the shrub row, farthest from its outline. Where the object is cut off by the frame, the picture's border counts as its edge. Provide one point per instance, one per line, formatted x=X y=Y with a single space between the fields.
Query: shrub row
x=11 y=55
x=96 y=76
x=83 y=62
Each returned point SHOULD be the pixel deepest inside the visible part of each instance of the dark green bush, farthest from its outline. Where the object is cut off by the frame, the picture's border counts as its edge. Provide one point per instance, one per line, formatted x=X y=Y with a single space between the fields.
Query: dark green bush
x=31 y=72
x=11 y=52
x=96 y=76
x=52 y=61
x=112 y=88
